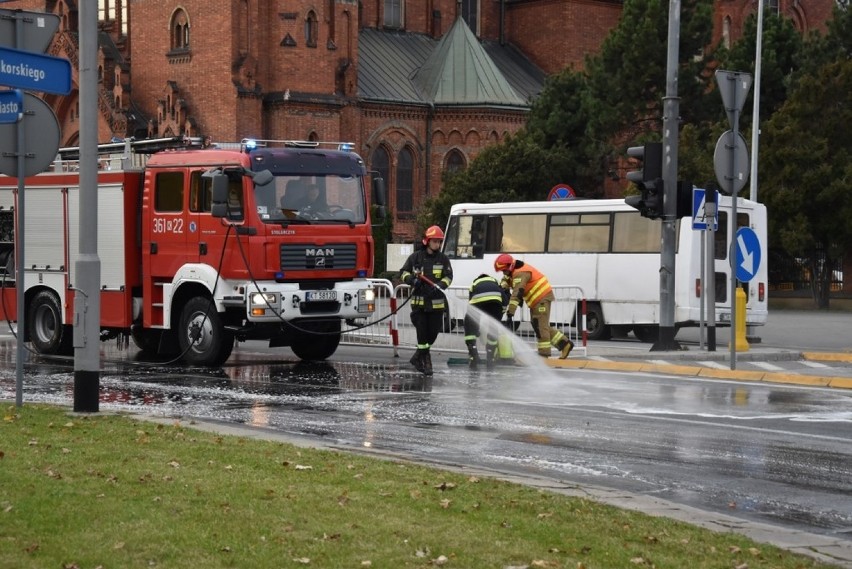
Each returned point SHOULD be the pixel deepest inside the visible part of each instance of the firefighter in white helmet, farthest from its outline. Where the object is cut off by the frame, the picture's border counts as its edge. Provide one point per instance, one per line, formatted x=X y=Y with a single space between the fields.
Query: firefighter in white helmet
x=428 y=272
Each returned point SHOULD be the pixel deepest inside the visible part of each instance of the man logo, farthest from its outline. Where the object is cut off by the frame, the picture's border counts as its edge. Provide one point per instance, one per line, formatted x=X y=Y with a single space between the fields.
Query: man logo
x=319 y=252
x=319 y=262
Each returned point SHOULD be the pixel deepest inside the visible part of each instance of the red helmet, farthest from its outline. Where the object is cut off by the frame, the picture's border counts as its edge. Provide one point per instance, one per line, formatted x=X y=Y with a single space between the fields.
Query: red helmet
x=504 y=262
x=433 y=232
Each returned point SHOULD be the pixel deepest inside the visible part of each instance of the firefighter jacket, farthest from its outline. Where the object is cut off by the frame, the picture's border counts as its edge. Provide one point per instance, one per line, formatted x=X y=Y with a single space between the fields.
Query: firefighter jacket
x=485 y=288
x=531 y=285
x=435 y=267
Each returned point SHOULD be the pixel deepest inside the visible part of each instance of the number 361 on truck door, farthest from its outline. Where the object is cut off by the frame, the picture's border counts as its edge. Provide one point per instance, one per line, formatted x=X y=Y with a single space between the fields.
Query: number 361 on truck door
x=167 y=225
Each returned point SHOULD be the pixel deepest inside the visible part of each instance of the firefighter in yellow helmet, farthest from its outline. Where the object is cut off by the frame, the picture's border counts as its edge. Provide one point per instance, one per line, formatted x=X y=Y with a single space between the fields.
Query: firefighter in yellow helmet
x=528 y=284
x=428 y=272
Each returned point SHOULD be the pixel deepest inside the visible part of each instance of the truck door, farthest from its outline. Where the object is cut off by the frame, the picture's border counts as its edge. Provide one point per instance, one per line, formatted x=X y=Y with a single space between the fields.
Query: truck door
x=165 y=245
x=208 y=233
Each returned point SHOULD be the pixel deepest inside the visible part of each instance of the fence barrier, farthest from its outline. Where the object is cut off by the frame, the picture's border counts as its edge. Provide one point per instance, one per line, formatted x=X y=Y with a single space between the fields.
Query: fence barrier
x=392 y=323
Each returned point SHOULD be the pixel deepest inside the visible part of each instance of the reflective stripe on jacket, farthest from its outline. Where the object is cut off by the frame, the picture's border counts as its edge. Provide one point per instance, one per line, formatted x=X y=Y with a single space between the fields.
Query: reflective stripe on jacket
x=535 y=285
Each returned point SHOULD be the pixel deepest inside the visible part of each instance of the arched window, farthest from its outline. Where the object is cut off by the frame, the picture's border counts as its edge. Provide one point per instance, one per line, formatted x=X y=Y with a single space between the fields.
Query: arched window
x=393 y=13
x=405 y=182
x=179 y=30
x=311 y=29
x=455 y=161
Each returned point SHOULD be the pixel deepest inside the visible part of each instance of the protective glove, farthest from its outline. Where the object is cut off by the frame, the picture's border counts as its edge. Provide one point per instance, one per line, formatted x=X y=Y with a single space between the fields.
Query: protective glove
x=443 y=285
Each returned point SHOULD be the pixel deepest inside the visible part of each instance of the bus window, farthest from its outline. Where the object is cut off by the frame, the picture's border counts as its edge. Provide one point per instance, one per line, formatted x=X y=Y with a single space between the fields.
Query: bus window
x=522 y=233
x=580 y=233
x=632 y=233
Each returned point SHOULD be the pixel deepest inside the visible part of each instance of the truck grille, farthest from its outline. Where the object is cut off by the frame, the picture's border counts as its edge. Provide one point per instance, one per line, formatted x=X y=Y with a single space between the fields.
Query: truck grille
x=334 y=256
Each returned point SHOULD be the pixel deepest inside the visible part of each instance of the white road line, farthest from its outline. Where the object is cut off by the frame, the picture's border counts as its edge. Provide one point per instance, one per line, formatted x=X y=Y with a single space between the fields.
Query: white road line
x=767 y=366
x=818 y=365
x=715 y=365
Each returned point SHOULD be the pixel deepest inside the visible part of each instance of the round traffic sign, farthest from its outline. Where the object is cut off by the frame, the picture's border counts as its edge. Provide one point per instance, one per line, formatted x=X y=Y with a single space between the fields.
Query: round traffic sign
x=41 y=139
x=748 y=254
x=561 y=192
x=728 y=149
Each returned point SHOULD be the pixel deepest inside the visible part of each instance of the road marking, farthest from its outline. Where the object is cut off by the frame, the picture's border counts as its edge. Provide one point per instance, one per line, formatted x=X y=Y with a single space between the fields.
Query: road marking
x=819 y=365
x=714 y=365
x=767 y=366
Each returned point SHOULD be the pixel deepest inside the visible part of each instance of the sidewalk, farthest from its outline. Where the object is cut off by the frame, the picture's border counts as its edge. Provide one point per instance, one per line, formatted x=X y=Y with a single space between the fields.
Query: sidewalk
x=773 y=365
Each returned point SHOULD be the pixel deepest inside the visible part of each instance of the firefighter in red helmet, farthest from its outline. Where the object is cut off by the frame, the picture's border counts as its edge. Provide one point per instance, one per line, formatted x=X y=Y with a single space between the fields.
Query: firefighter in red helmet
x=529 y=285
x=428 y=272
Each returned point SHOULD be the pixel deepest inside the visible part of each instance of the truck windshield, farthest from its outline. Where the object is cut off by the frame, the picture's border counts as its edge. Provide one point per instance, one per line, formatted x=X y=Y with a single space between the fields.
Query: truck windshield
x=311 y=199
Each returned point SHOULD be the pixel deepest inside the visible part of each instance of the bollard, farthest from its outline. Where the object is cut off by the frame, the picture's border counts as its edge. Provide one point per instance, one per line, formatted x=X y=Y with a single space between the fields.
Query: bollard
x=741 y=342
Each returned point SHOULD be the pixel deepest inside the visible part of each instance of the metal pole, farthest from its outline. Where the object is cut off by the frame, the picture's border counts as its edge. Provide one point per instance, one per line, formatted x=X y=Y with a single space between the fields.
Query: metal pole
x=671 y=112
x=87 y=300
x=755 y=125
x=19 y=240
x=710 y=270
x=732 y=225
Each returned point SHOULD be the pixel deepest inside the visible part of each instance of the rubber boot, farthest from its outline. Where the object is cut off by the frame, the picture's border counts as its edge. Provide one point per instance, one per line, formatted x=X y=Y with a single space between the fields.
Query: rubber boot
x=426 y=362
x=565 y=346
x=489 y=356
x=473 y=357
x=417 y=360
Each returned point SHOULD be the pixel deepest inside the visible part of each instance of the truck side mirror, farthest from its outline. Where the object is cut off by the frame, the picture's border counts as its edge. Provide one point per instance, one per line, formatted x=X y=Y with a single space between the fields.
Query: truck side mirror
x=218 y=193
x=380 y=197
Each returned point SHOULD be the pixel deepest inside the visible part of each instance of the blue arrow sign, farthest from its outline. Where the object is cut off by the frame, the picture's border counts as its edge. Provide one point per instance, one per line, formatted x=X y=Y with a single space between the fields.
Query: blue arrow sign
x=34 y=71
x=748 y=254
x=11 y=106
x=699 y=218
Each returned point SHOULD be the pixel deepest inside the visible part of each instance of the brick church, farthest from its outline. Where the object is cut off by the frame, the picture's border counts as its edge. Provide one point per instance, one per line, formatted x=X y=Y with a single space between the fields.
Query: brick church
x=420 y=86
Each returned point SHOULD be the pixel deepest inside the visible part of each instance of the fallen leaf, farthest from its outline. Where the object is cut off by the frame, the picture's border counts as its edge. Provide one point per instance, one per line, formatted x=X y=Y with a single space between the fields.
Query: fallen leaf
x=174 y=464
x=445 y=486
x=445 y=503
x=734 y=549
x=543 y=515
x=754 y=551
x=637 y=560
x=366 y=563
x=69 y=424
x=741 y=566
x=118 y=545
x=473 y=479
x=302 y=560
x=303 y=467
x=440 y=560
x=732 y=505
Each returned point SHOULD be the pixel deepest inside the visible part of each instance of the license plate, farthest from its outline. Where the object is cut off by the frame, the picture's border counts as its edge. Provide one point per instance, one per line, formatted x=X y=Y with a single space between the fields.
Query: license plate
x=320 y=295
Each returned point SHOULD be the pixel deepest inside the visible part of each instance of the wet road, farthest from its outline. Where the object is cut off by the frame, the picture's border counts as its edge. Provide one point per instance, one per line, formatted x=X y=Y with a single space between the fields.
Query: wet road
x=773 y=453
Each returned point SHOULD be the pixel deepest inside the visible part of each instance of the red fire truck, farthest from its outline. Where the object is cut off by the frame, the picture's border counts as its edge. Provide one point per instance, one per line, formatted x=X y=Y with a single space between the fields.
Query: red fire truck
x=200 y=247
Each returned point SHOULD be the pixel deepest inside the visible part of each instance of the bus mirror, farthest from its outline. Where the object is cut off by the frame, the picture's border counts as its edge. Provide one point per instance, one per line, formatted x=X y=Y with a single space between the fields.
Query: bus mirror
x=219 y=187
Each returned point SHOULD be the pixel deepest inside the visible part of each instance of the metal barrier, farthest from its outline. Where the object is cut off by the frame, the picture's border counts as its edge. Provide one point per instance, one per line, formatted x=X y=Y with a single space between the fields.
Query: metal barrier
x=568 y=313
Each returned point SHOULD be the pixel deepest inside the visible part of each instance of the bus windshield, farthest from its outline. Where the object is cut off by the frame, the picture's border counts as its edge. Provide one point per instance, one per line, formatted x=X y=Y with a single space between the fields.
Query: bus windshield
x=312 y=199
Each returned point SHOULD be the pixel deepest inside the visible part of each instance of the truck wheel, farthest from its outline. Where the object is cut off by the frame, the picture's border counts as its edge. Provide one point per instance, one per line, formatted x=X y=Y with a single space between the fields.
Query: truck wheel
x=44 y=326
x=148 y=341
x=318 y=346
x=202 y=335
x=596 y=326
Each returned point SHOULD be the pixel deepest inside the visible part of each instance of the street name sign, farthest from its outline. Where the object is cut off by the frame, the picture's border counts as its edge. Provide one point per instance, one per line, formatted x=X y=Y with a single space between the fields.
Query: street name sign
x=11 y=106
x=34 y=71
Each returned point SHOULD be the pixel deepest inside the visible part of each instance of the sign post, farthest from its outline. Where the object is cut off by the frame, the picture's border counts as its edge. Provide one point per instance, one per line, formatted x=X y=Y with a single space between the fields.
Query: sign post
x=734 y=87
x=23 y=66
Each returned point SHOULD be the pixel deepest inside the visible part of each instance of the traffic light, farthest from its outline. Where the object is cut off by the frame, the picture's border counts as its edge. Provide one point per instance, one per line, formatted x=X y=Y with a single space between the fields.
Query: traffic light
x=649 y=180
x=684 y=199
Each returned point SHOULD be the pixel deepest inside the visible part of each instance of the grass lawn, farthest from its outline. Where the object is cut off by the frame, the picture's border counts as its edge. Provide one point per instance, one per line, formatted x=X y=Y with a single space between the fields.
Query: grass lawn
x=107 y=491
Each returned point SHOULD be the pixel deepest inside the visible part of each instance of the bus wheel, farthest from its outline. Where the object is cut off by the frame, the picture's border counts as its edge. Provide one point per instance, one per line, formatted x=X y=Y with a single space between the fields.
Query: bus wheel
x=648 y=333
x=203 y=338
x=44 y=325
x=318 y=342
x=596 y=327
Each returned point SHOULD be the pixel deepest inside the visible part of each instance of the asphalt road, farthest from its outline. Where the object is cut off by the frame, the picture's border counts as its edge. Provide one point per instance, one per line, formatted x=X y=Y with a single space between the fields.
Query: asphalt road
x=775 y=454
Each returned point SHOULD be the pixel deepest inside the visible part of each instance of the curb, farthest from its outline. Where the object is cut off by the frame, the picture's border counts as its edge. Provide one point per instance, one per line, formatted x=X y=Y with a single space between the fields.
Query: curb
x=711 y=373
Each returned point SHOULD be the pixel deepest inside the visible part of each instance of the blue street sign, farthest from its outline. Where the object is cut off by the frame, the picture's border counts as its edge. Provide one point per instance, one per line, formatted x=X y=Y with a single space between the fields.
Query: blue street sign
x=699 y=219
x=34 y=71
x=11 y=106
x=748 y=254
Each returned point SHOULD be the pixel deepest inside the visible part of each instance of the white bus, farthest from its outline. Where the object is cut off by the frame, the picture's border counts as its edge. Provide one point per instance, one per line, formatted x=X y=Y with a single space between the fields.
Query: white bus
x=612 y=253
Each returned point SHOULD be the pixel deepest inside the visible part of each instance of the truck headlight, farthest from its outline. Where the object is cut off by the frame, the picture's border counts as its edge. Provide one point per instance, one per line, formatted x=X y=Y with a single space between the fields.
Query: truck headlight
x=263 y=302
x=367 y=300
